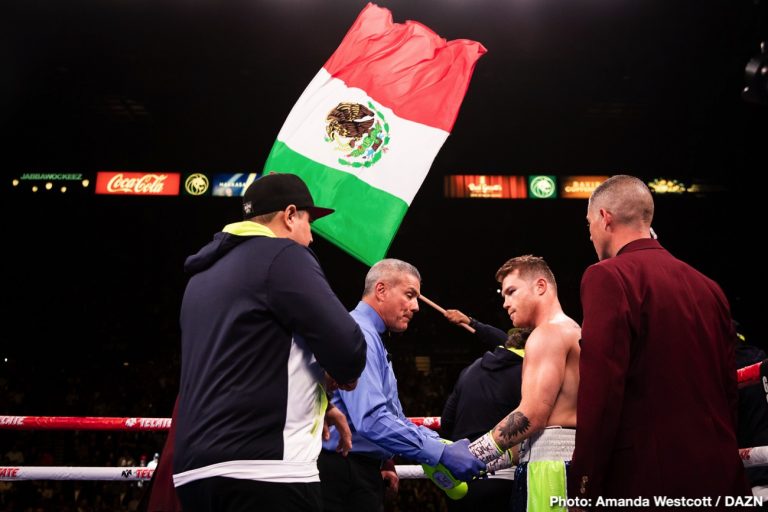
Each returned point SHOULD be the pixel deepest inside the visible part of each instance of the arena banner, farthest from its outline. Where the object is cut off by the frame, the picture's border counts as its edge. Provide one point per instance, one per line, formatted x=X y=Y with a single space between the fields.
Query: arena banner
x=138 y=183
x=579 y=187
x=232 y=184
x=479 y=186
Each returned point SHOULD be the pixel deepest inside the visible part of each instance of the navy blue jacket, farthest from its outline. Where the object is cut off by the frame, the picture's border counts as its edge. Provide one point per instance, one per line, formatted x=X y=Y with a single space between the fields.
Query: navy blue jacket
x=259 y=323
x=485 y=392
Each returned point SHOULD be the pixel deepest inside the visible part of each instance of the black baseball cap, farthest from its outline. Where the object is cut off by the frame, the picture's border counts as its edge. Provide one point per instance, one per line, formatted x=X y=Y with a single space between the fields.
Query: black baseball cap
x=273 y=192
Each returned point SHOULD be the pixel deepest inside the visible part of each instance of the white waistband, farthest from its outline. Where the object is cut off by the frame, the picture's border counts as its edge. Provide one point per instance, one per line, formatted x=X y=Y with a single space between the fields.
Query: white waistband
x=552 y=443
x=279 y=471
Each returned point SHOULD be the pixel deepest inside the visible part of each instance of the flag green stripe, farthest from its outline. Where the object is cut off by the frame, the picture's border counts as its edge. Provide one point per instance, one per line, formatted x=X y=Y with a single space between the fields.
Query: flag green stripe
x=366 y=218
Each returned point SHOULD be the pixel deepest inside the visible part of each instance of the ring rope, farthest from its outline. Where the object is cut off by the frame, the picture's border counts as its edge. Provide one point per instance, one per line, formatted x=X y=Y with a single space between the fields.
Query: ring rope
x=751 y=457
x=753 y=374
x=123 y=473
x=132 y=424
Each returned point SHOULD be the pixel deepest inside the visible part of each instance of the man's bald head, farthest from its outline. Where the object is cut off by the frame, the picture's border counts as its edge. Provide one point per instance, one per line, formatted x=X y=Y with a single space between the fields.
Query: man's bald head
x=627 y=198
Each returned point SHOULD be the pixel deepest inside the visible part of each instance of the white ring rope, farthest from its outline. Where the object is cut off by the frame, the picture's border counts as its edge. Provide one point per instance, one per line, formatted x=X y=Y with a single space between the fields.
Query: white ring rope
x=126 y=474
x=752 y=457
x=74 y=473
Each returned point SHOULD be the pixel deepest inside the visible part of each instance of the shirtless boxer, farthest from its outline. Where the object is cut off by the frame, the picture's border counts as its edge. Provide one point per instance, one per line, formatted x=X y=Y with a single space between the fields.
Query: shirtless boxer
x=546 y=416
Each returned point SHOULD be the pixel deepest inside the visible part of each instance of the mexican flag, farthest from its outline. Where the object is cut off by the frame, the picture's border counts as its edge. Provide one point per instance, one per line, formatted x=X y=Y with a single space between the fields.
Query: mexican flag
x=365 y=131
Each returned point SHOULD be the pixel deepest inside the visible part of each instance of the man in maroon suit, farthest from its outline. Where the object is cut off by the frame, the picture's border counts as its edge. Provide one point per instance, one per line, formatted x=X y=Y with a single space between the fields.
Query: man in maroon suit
x=657 y=398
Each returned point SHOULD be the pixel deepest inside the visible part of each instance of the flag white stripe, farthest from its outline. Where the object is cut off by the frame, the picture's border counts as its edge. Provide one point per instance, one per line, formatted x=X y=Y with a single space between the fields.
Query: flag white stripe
x=406 y=161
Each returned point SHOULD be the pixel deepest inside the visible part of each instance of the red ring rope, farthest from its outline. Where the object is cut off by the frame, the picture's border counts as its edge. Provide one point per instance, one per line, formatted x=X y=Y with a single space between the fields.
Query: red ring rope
x=134 y=424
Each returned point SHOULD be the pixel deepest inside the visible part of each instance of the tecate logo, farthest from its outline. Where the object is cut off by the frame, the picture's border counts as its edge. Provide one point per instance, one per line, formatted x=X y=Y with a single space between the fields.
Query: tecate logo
x=9 y=472
x=155 y=422
x=144 y=473
x=147 y=184
x=12 y=420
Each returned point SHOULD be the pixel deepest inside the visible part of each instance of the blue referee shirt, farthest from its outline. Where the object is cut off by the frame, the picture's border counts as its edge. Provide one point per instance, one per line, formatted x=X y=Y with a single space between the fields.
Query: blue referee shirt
x=373 y=410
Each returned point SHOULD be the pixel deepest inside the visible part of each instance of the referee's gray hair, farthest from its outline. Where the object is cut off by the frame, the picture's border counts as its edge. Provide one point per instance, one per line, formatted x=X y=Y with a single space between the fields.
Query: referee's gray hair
x=388 y=270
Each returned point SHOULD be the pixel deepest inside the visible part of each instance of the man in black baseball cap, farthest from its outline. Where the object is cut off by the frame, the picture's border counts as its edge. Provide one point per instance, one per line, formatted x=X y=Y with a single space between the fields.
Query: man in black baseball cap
x=275 y=192
x=256 y=315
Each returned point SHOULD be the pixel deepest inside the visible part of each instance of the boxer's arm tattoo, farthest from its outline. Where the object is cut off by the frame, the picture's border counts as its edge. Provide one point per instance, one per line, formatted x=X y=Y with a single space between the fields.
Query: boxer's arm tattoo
x=513 y=425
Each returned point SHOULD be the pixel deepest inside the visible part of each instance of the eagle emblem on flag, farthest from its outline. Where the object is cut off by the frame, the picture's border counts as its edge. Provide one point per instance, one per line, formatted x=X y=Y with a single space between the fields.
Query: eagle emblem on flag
x=360 y=132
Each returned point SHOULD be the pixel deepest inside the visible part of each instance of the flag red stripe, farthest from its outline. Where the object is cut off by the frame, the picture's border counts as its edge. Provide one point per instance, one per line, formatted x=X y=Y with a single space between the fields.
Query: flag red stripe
x=406 y=67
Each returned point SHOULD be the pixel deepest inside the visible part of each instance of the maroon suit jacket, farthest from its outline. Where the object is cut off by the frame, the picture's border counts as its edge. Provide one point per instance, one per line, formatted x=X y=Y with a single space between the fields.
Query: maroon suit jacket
x=161 y=495
x=658 y=393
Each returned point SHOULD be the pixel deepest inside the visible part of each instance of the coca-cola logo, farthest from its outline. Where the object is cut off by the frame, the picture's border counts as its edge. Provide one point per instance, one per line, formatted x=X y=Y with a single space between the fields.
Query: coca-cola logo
x=138 y=183
x=147 y=184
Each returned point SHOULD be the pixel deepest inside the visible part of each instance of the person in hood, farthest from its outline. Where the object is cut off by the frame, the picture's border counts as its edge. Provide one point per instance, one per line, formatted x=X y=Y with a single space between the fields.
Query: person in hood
x=261 y=331
x=485 y=391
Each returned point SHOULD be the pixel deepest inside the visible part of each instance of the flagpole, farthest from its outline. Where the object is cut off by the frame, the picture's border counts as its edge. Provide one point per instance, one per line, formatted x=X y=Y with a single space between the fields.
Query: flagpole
x=430 y=303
